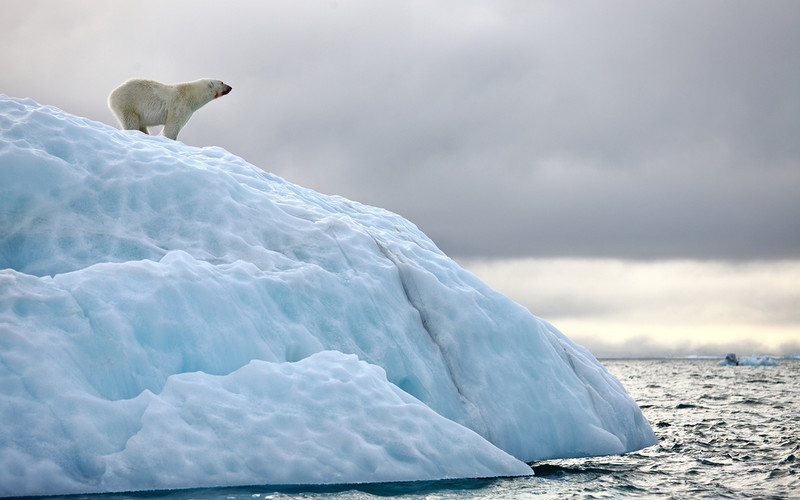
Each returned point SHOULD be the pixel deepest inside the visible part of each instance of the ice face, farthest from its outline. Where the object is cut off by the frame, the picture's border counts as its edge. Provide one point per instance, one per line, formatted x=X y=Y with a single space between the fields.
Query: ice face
x=329 y=418
x=173 y=316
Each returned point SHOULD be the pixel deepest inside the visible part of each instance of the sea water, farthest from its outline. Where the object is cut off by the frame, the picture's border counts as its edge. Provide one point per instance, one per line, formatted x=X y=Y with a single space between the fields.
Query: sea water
x=723 y=431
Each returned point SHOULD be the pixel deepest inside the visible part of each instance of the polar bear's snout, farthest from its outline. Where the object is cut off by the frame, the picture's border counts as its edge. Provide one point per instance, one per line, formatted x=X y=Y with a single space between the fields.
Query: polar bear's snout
x=226 y=89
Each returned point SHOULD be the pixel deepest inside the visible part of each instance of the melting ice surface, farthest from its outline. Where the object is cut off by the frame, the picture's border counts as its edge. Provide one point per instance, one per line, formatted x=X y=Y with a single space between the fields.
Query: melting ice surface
x=175 y=317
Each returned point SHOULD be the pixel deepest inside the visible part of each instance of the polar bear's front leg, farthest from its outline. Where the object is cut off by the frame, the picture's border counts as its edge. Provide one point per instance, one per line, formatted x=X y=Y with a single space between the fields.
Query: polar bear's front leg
x=174 y=124
x=171 y=130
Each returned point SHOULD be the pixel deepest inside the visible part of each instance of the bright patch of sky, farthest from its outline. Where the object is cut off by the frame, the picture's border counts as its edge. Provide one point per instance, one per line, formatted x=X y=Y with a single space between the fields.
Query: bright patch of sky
x=638 y=308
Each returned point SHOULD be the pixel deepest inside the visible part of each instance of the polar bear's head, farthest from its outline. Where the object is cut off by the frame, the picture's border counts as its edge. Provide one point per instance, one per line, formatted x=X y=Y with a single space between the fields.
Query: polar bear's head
x=218 y=88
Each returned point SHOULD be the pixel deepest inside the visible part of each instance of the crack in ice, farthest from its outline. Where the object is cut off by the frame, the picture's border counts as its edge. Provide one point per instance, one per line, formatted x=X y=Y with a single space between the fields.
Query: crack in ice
x=407 y=283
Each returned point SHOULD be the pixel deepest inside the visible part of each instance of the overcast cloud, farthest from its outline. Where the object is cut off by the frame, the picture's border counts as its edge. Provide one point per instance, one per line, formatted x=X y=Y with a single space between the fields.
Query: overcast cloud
x=533 y=129
x=623 y=129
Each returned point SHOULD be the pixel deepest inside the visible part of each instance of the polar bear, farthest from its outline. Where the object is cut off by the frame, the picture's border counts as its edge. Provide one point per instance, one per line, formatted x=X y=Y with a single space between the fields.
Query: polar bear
x=140 y=103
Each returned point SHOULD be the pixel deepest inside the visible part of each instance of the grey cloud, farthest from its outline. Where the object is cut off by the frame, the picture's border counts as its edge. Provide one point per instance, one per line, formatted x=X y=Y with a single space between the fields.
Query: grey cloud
x=628 y=129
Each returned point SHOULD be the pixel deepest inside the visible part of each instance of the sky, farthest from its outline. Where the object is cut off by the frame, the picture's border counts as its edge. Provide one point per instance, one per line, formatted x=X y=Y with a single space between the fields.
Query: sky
x=628 y=171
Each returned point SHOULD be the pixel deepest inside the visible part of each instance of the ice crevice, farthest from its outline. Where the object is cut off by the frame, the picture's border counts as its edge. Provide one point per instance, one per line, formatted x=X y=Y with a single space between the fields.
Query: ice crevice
x=412 y=294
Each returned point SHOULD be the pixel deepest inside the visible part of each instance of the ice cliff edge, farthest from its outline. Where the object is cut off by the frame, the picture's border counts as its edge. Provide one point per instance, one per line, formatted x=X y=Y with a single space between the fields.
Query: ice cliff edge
x=175 y=317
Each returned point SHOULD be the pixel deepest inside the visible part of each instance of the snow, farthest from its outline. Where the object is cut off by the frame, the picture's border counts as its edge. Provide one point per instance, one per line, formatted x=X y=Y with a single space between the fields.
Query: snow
x=174 y=317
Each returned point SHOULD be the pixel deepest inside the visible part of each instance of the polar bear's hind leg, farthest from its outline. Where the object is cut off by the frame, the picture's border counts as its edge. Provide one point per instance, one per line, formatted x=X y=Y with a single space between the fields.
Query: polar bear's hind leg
x=130 y=120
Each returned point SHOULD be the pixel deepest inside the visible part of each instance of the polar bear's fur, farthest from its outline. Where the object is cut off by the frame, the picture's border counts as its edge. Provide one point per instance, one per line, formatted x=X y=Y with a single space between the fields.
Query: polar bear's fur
x=140 y=103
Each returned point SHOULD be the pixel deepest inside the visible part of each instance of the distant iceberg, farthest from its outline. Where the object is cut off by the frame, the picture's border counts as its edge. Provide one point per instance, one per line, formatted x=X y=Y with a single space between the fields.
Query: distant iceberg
x=174 y=317
x=758 y=360
x=755 y=360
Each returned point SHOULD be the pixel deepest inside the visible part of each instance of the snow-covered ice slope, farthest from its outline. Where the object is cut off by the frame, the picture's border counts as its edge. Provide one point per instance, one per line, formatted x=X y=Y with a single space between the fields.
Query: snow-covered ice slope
x=176 y=317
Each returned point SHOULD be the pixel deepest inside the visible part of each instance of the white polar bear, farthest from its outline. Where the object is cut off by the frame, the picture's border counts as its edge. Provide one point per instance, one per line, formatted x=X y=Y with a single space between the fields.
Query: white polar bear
x=140 y=103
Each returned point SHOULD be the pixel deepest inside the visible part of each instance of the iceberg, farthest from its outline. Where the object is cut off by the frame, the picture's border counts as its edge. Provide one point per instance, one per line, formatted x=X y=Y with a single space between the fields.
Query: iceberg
x=175 y=317
x=758 y=360
x=755 y=360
